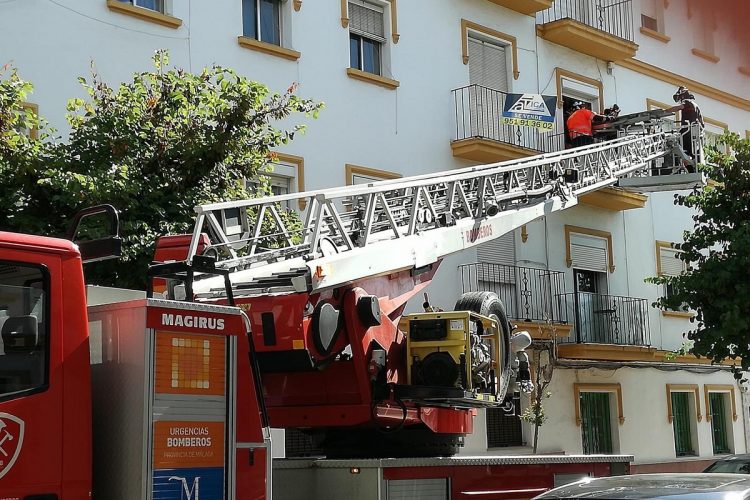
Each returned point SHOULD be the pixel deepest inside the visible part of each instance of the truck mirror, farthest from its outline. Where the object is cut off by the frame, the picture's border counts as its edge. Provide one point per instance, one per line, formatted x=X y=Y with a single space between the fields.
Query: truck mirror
x=101 y=248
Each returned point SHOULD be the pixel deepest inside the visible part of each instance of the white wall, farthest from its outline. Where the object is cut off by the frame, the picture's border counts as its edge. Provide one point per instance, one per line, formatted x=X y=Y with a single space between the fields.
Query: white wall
x=646 y=432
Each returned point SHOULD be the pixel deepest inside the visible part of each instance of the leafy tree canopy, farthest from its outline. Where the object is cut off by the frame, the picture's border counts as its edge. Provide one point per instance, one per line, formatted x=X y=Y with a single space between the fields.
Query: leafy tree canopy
x=717 y=252
x=154 y=148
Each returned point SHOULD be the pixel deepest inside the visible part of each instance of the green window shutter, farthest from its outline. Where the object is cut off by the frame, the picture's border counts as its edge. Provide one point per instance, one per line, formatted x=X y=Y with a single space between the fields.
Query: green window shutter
x=718 y=422
x=596 y=423
x=683 y=442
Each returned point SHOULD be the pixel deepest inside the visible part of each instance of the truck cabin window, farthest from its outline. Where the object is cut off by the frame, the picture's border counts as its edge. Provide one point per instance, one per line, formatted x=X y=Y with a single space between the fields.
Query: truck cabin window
x=23 y=328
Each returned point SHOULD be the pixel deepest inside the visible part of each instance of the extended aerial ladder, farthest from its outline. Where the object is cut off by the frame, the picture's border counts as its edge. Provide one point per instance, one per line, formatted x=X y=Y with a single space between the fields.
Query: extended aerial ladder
x=325 y=291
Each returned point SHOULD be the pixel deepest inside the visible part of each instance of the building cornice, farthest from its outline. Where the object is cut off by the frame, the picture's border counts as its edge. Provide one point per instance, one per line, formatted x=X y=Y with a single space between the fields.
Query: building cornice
x=694 y=85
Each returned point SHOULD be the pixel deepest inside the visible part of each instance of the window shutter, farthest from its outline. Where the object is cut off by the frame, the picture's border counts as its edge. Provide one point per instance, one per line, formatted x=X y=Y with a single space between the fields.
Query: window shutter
x=588 y=252
x=501 y=250
x=670 y=262
x=417 y=489
x=488 y=65
x=366 y=19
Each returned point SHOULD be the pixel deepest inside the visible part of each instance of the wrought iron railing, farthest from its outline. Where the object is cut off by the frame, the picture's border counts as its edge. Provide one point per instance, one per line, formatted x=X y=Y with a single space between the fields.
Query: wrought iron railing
x=479 y=112
x=528 y=294
x=611 y=16
x=607 y=319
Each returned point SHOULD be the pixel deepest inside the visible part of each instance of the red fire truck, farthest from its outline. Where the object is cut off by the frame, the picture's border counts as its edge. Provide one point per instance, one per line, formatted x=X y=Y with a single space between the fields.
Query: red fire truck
x=149 y=398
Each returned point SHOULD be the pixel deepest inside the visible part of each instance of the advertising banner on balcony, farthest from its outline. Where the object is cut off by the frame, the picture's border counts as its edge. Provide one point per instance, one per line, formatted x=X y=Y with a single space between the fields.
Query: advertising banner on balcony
x=530 y=110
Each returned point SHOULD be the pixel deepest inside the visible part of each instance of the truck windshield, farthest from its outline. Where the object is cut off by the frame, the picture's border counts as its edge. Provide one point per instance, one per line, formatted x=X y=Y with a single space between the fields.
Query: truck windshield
x=23 y=329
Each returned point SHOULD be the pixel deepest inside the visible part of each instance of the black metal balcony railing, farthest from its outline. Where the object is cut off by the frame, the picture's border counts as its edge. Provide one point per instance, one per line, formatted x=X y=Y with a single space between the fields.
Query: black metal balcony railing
x=608 y=319
x=528 y=294
x=479 y=112
x=611 y=16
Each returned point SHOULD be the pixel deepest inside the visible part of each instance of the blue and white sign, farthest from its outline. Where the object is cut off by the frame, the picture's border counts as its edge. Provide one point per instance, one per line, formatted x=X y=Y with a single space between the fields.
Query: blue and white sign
x=189 y=484
x=530 y=110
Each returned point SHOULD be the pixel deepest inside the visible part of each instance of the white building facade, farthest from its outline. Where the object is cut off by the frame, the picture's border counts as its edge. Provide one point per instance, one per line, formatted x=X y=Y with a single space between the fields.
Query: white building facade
x=416 y=86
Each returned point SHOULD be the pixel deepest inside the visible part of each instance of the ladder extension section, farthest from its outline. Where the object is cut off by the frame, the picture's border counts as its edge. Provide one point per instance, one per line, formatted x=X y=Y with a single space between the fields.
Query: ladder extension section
x=352 y=232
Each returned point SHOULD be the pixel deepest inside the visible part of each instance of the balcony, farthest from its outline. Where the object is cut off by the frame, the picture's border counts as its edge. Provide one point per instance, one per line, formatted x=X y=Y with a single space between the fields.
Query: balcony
x=481 y=136
x=599 y=28
x=525 y=6
x=607 y=327
x=530 y=295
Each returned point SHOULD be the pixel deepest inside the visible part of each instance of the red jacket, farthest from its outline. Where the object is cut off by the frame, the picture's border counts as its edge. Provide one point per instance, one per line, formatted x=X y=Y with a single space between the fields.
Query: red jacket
x=579 y=123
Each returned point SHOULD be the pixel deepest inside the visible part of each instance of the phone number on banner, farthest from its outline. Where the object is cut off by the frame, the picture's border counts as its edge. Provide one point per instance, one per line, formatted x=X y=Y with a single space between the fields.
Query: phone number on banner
x=523 y=122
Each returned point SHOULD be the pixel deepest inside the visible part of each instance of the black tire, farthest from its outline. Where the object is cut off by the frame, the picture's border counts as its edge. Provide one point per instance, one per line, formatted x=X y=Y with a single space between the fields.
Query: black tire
x=489 y=304
x=409 y=442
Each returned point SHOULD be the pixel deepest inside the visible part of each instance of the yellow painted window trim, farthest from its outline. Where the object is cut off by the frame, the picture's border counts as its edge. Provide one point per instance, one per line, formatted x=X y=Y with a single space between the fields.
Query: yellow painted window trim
x=678 y=314
x=268 y=48
x=677 y=80
x=144 y=14
x=708 y=388
x=706 y=55
x=654 y=104
x=467 y=25
x=561 y=73
x=364 y=76
x=683 y=388
x=299 y=163
x=350 y=170
x=655 y=34
x=590 y=232
x=578 y=388
x=394 y=18
x=659 y=246
x=34 y=132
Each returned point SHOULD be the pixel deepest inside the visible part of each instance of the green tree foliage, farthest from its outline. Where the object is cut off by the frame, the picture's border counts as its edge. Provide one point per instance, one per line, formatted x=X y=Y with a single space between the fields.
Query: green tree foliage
x=154 y=148
x=23 y=156
x=716 y=284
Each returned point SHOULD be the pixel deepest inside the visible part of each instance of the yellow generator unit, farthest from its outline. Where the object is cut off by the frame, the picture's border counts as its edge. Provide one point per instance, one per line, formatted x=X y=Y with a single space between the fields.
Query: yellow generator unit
x=455 y=350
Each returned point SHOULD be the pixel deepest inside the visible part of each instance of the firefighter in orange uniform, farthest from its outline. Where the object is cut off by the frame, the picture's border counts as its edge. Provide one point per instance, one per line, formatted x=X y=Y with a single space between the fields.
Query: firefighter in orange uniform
x=580 y=125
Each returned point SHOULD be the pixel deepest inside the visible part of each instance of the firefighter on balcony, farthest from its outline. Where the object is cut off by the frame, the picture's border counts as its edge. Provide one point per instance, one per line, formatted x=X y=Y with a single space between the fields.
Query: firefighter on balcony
x=691 y=123
x=580 y=125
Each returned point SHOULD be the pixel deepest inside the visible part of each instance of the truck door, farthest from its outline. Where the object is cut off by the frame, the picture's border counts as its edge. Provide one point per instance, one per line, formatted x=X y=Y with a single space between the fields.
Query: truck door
x=30 y=394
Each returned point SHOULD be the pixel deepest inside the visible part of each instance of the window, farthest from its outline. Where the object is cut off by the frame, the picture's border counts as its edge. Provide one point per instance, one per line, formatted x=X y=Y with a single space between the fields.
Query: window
x=261 y=20
x=681 y=424
x=669 y=263
x=717 y=409
x=503 y=427
x=365 y=175
x=719 y=401
x=23 y=329
x=285 y=175
x=596 y=423
x=32 y=116
x=366 y=36
x=649 y=22
x=652 y=20
x=595 y=408
x=714 y=130
x=157 y=5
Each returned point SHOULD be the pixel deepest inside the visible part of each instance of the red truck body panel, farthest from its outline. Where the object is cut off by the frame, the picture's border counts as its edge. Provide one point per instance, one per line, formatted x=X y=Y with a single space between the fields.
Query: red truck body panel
x=54 y=450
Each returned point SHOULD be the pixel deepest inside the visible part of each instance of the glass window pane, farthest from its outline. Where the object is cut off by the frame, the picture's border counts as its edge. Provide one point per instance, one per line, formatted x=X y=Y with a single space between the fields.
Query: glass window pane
x=248 y=18
x=23 y=334
x=157 y=5
x=354 y=60
x=269 y=21
x=370 y=56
